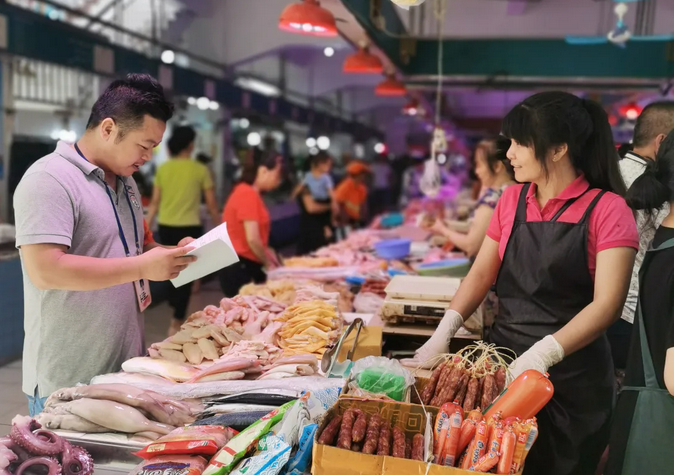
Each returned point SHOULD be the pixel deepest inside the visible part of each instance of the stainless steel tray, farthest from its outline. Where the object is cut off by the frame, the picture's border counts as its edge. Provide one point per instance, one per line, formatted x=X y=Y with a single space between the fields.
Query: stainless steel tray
x=109 y=458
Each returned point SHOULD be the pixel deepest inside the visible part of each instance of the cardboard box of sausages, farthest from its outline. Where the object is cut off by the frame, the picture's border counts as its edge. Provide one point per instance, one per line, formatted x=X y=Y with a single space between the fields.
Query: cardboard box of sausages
x=408 y=430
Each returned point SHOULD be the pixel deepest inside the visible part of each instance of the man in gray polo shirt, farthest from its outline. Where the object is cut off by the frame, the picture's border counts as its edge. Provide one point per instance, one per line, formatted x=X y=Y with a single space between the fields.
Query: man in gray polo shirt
x=79 y=227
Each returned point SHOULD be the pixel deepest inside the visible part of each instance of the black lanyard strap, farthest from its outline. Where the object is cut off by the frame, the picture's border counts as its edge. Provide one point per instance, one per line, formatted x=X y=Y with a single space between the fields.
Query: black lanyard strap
x=114 y=209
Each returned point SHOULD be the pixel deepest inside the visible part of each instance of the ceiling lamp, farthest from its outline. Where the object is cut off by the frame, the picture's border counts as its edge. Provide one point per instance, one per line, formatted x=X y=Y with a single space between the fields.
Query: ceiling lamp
x=362 y=61
x=308 y=18
x=631 y=111
x=390 y=87
x=412 y=108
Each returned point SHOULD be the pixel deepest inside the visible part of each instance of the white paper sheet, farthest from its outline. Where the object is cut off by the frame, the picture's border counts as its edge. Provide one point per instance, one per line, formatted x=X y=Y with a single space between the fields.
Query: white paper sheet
x=214 y=251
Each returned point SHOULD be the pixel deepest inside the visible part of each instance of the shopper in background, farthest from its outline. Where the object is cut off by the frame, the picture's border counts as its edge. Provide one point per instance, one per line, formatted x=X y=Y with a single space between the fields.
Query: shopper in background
x=561 y=250
x=351 y=196
x=643 y=426
x=495 y=173
x=176 y=201
x=382 y=176
x=652 y=126
x=248 y=221
x=80 y=232
x=317 y=205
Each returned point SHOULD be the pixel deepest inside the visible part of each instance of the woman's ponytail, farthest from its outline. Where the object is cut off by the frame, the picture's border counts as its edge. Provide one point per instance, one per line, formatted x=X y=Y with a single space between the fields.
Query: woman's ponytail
x=647 y=192
x=600 y=164
x=655 y=186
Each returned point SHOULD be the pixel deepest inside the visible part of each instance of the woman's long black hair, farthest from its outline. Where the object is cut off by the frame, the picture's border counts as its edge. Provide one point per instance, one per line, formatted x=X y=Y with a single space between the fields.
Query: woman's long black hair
x=553 y=118
x=655 y=186
x=255 y=159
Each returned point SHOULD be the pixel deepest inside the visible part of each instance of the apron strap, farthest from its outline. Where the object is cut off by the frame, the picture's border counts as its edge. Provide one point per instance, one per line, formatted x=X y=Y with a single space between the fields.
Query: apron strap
x=667 y=244
x=521 y=214
x=646 y=359
x=588 y=212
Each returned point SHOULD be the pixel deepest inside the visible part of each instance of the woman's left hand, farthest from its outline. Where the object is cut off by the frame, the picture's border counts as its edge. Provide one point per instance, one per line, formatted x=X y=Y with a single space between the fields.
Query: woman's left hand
x=273 y=259
x=541 y=356
x=185 y=241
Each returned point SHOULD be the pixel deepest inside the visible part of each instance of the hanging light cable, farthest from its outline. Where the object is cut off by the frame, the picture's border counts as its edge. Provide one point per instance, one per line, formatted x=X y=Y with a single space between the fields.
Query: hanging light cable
x=431 y=179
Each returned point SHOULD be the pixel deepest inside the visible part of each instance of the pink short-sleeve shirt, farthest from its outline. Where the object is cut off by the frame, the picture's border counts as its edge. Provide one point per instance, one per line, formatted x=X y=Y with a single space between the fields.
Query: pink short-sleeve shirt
x=612 y=223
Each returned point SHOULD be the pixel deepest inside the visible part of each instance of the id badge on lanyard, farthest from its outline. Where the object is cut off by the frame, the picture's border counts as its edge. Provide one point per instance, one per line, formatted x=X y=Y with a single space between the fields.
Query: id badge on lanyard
x=142 y=287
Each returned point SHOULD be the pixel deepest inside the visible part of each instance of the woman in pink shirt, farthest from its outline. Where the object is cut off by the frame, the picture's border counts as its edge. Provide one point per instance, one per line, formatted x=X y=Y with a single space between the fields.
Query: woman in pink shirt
x=560 y=249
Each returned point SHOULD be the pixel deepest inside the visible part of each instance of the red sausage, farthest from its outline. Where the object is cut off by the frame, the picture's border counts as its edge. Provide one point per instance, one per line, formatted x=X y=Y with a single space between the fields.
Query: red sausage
x=384 y=447
x=398 y=443
x=359 y=428
x=330 y=431
x=418 y=447
x=346 y=429
x=372 y=435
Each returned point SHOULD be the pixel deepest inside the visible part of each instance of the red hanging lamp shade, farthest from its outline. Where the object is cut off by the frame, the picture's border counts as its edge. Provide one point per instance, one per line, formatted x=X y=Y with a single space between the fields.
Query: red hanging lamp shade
x=308 y=18
x=362 y=61
x=411 y=108
x=390 y=87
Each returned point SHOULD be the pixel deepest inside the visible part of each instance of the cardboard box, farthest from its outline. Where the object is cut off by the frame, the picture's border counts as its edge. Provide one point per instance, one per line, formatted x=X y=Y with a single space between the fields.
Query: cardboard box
x=369 y=343
x=408 y=417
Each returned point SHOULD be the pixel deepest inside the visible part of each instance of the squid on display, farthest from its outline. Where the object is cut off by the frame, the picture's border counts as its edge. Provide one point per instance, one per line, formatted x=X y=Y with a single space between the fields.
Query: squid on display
x=31 y=450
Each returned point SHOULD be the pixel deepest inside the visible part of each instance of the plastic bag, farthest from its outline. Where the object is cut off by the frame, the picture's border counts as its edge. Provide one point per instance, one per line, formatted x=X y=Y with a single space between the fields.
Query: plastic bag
x=379 y=375
x=274 y=449
x=172 y=464
x=193 y=440
x=229 y=456
x=368 y=303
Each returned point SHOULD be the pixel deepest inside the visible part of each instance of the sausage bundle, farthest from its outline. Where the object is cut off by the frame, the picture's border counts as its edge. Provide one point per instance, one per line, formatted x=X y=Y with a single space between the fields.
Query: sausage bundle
x=471 y=382
x=375 y=286
x=356 y=431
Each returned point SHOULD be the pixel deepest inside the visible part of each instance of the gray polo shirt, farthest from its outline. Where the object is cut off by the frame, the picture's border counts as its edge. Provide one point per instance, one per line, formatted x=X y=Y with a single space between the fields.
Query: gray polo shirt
x=72 y=336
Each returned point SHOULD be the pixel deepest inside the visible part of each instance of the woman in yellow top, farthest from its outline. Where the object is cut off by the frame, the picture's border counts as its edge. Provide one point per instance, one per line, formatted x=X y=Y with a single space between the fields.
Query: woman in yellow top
x=176 y=198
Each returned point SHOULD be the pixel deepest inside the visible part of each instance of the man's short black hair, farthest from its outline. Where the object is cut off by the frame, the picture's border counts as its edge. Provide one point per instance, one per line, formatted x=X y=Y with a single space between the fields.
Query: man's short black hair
x=181 y=138
x=656 y=118
x=127 y=102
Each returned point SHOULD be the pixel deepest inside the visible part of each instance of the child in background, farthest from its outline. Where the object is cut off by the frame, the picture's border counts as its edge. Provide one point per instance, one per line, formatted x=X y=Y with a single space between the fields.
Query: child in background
x=320 y=185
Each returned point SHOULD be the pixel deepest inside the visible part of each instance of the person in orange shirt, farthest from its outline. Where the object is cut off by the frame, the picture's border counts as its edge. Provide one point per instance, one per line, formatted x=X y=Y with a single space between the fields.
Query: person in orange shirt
x=149 y=239
x=248 y=221
x=351 y=195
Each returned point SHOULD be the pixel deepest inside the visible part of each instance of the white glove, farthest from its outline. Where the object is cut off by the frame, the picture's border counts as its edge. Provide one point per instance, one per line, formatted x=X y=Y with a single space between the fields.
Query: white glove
x=541 y=356
x=438 y=343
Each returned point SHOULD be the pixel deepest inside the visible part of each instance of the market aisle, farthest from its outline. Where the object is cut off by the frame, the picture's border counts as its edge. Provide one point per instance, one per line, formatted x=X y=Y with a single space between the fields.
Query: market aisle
x=12 y=399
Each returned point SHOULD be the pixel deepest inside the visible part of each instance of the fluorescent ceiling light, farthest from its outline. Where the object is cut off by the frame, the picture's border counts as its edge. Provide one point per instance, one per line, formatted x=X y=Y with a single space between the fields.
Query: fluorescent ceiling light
x=258 y=86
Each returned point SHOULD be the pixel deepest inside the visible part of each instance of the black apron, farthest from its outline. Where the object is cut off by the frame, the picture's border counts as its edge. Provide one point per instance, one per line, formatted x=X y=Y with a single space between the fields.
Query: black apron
x=651 y=430
x=543 y=283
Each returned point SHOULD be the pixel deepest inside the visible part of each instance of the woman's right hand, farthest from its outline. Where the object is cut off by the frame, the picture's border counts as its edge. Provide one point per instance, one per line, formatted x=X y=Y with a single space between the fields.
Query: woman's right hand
x=425 y=356
x=439 y=227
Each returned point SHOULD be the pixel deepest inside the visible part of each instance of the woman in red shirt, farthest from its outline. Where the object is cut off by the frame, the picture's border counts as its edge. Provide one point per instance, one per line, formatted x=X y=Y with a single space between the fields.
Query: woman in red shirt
x=248 y=221
x=560 y=249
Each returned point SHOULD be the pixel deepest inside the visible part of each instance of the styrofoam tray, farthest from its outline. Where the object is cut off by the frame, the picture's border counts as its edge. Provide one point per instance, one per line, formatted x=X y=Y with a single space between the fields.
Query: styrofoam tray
x=423 y=288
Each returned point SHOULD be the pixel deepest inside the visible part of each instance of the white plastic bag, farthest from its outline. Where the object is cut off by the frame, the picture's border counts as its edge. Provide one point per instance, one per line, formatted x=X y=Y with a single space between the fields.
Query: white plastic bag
x=368 y=303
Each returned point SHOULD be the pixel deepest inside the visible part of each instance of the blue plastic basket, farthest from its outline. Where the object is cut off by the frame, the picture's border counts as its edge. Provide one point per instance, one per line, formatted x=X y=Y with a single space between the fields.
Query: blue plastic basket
x=393 y=249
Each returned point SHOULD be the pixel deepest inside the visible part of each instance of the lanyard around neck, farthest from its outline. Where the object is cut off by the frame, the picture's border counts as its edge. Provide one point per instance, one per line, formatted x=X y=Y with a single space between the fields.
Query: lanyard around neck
x=114 y=209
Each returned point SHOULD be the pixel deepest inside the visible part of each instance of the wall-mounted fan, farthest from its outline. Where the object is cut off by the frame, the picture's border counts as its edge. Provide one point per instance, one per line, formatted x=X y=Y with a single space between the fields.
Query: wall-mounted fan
x=620 y=35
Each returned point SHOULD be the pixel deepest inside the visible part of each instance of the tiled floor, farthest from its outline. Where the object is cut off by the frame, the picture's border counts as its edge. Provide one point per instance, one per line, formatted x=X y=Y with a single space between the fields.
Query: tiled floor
x=157 y=319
